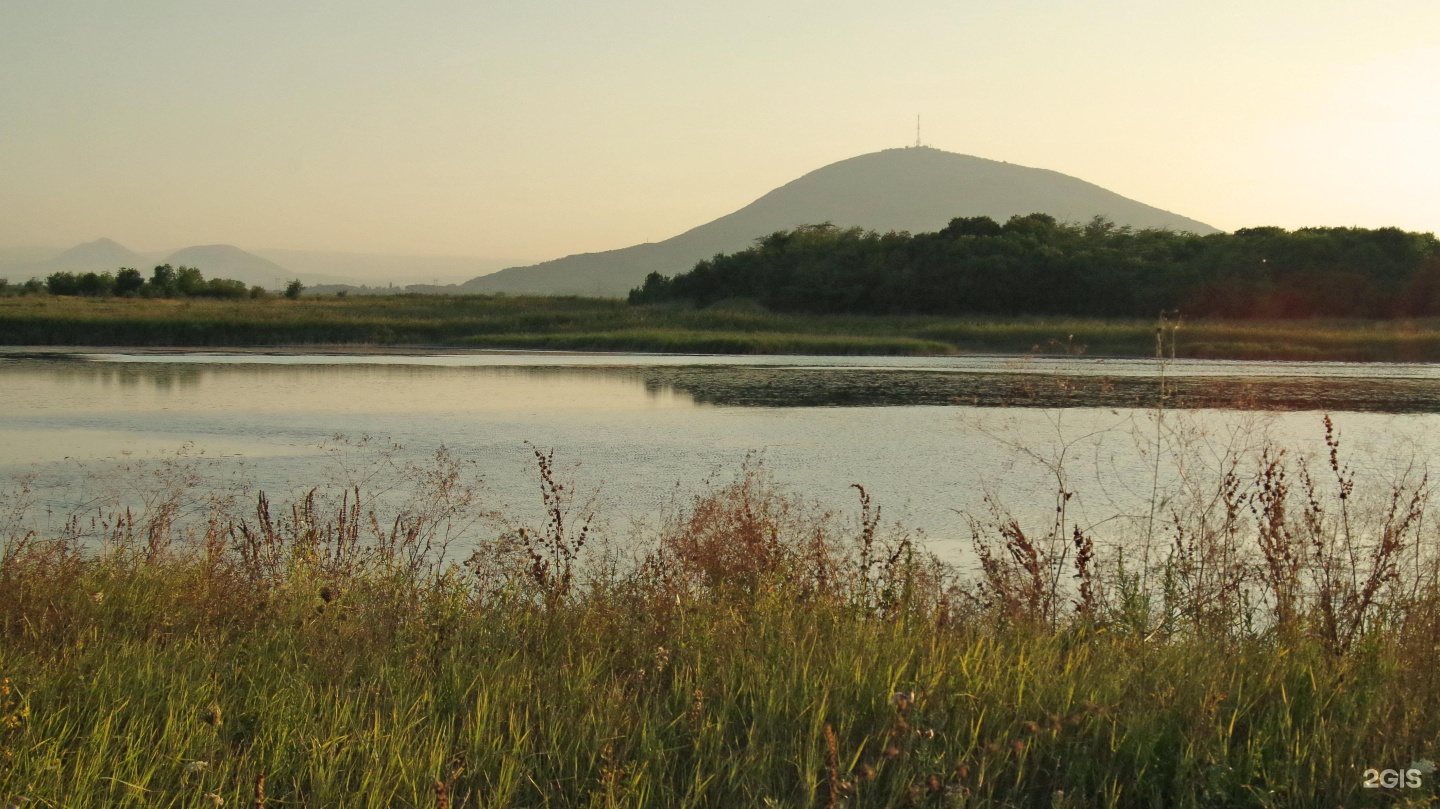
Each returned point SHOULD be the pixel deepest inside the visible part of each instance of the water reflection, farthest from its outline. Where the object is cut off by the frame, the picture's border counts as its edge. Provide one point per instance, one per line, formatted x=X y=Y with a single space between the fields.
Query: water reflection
x=1006 y=364
x=82 y=386
x=161 y=377
x=448 y=382
x=928 y=439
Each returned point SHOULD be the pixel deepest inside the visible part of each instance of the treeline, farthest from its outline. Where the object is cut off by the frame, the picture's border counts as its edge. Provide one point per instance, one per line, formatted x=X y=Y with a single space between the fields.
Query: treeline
x=1034 y=265
x=165 y=281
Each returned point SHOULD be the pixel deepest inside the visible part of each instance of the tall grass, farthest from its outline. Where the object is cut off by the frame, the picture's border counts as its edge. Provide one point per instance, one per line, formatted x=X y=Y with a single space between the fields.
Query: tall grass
x=602 y=324
x=750 y=650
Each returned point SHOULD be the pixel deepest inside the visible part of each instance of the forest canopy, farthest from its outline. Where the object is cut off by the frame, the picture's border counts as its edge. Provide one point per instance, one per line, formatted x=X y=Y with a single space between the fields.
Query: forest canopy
x=1034 y=265
x=164 y=282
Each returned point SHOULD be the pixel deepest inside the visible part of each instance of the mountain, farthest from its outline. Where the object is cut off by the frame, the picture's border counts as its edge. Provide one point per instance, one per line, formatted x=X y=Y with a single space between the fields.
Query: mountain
x=271 y=268
x=916 y=189
x=228 y=261
x=106 y=255
x=101 y=255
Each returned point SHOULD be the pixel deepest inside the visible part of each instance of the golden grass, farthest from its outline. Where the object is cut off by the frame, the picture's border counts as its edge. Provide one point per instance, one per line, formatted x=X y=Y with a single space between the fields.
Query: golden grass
x=755 y=651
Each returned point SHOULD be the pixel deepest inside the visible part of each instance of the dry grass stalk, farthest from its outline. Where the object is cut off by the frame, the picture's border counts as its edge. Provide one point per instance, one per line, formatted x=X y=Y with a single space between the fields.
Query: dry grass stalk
x=832 y=769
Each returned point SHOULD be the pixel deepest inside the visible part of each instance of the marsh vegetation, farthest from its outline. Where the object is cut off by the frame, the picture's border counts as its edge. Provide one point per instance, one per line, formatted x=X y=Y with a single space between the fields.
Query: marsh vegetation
x=728 y=327
x=1262 y=637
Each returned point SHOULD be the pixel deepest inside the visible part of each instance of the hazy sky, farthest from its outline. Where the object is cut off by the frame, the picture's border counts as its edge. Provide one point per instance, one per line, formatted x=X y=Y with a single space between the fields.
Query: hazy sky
x=537 y=128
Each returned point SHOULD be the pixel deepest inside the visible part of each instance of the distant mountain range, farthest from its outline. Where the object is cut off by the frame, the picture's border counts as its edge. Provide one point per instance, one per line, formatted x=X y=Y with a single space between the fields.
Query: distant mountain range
x=267 y=268
x=106 y=255
x=914 y=189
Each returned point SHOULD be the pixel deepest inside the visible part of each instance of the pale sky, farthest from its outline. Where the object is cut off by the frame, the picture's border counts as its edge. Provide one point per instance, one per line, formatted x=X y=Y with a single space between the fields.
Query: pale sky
x=538 y=128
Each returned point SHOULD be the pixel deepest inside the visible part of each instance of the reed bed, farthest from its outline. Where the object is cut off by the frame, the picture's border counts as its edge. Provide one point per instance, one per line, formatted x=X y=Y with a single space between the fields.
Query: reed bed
x=1262 y=642
x=612 y=325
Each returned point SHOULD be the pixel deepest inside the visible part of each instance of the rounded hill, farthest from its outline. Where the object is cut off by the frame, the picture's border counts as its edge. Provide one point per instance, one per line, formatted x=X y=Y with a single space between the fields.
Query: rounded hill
x=914 y=189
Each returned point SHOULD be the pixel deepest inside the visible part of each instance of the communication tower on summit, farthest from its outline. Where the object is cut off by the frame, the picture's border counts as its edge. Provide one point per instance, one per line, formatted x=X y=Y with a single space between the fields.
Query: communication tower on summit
x=917 y=131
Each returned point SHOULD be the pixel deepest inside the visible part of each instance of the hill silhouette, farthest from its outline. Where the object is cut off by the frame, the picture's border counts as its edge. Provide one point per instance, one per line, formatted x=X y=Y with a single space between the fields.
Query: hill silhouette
x=101 y=255
x=229 y=261
x=107 y=255
x=270 y=268
x=912 y=189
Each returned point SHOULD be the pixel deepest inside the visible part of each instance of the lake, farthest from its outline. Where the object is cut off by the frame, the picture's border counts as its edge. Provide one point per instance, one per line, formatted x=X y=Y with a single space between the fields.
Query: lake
x=929 y=437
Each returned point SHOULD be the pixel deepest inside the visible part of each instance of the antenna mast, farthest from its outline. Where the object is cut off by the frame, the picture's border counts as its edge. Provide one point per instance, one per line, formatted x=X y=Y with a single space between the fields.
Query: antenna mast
x=917 y=131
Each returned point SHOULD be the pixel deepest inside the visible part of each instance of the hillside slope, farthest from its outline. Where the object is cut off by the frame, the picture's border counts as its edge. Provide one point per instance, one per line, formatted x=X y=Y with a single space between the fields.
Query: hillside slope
x=106 y=255
x=228 y=261
x=101 y=255
x=914 y=189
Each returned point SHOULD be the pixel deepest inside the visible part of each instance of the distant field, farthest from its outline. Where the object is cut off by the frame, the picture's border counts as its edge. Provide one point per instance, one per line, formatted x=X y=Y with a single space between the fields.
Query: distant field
x=611 y=325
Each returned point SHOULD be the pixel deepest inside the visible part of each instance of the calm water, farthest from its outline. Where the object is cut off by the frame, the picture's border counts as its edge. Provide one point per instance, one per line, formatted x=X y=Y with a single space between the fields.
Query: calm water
x=929 y=437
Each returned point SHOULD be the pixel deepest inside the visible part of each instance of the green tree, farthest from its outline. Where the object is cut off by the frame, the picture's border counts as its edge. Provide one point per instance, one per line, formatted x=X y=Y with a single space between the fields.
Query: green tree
x=62 y=283
x=189 y=281
x=96 y=285
x=128 y=281
x=225 y=288
x=162 y=282
x=655 y=289
x=1034 y=265
x=293 y=289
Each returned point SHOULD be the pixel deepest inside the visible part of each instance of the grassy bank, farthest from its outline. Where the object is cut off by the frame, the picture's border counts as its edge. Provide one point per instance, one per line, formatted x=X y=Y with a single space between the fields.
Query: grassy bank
x=753 y=651
x=609 y=325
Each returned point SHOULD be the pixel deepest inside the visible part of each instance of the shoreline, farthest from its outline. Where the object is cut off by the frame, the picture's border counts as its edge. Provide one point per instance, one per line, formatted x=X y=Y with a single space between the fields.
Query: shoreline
x=994 y=380
x=85 y=352
x=407 y=326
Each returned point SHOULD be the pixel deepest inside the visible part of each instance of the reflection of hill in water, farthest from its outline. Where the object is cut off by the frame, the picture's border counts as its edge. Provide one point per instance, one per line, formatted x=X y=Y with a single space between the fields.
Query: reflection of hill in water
x=809 y=387
x=164 y=377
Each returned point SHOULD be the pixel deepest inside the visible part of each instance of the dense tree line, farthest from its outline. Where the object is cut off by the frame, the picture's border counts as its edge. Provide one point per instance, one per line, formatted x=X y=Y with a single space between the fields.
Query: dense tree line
x=1033 y=265
x=165 y=281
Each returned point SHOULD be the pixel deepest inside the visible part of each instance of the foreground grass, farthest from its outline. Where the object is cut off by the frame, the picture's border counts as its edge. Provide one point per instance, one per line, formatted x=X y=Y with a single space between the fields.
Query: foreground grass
x=754 y=653
x=610 y=325
x=370 y=699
